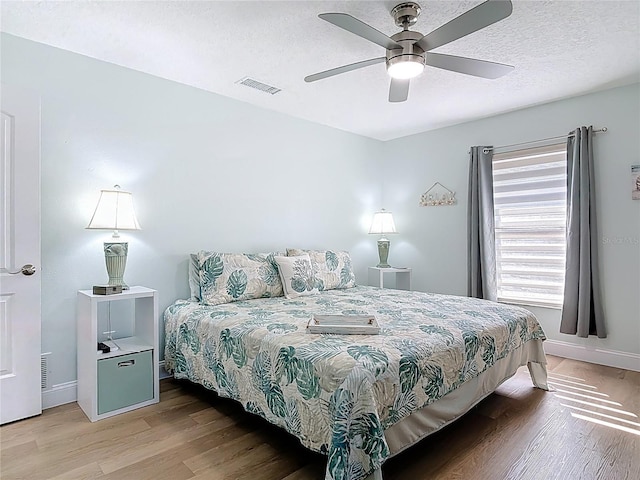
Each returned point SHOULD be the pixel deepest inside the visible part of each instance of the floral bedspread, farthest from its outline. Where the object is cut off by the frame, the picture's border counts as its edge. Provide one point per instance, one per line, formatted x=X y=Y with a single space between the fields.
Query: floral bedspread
x=338 y=393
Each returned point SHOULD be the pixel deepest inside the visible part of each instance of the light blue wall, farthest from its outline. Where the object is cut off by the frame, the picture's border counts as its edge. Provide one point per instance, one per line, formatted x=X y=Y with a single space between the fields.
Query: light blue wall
x=433 y=240
x=206 y=172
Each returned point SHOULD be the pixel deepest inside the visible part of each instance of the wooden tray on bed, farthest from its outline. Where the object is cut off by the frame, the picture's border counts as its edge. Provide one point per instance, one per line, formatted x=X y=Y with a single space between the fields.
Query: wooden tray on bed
x=344 y=324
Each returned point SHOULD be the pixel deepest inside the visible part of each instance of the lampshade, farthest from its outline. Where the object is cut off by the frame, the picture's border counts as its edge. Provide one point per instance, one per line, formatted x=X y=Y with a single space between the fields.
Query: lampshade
x=382 y=223
x=114 y=211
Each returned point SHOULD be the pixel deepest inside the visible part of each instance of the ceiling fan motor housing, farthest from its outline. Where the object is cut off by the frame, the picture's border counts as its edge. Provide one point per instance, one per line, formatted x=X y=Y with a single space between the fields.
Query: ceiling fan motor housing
x=410 y=52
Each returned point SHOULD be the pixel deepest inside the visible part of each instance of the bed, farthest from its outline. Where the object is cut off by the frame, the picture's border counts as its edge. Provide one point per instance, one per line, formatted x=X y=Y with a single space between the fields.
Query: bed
x=358 y=399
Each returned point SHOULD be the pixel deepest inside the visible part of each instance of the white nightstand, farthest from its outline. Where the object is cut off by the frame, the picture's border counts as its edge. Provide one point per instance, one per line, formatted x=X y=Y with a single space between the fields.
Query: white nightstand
x=124 y=379
x=403 y=277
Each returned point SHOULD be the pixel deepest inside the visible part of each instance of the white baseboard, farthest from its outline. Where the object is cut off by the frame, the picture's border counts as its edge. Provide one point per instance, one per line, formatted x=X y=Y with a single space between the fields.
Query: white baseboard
x=583 y=353
x=60 y=394
x=68 y=392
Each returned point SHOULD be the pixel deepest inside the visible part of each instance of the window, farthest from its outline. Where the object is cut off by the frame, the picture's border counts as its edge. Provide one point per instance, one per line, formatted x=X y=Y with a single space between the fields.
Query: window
x=530 y=203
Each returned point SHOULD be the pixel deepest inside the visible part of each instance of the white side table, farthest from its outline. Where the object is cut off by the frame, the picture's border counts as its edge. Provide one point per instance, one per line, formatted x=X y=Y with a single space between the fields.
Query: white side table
x=123 y=379
x=403 y=277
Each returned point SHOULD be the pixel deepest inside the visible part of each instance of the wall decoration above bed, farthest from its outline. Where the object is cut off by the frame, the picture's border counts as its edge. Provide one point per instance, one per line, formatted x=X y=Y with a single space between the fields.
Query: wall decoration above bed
x=438 y=195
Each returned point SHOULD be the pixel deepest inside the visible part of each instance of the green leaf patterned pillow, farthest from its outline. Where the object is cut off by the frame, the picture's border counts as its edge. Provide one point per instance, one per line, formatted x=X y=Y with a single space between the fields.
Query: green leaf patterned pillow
x=297 y=276
x=231 y=277
x=332 y=269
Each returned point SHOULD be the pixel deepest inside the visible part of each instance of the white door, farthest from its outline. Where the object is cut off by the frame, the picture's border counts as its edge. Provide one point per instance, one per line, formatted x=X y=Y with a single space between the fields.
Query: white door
x=20 y=385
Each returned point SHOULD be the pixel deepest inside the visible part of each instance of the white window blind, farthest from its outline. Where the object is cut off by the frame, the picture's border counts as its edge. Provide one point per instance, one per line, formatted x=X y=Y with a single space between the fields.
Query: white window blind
x=530 y=202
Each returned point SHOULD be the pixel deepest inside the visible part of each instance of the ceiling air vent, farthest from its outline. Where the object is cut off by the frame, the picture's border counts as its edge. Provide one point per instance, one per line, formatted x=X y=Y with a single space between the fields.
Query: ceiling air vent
x=263 y=87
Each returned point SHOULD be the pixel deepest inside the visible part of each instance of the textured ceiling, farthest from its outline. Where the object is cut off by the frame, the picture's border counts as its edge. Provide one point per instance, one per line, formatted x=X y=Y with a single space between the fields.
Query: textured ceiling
x=559 y=48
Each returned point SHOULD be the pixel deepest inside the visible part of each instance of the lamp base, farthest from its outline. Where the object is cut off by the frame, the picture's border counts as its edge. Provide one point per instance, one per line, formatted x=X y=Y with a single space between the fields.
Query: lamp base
x=115 y=257
x=383 y=252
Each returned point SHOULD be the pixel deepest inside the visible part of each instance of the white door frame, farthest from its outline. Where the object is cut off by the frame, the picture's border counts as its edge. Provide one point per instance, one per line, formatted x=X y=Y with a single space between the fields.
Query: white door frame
x=20 y=309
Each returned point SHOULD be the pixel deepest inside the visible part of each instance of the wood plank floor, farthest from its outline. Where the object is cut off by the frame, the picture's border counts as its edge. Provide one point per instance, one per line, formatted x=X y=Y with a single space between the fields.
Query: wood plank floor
x=589 y=428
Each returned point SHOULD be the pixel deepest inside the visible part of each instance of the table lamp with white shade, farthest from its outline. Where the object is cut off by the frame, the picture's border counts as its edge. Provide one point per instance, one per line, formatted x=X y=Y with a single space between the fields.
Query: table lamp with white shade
x=382 y=224
x=115 y=212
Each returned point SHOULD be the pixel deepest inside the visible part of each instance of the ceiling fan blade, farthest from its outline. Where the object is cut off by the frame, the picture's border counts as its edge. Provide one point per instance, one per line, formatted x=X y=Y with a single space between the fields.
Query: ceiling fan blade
x=398 y=90
x=357 y=27
x=469 y=66
x=343 y=69
x=477 y=18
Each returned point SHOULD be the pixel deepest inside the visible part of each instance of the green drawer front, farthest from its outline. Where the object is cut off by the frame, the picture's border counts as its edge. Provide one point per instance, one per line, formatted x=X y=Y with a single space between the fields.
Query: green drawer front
x=124 y=381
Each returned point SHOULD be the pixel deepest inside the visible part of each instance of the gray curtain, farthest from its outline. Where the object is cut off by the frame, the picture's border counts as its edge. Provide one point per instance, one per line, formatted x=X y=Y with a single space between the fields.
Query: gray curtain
x=582 y=312
x=481 y=247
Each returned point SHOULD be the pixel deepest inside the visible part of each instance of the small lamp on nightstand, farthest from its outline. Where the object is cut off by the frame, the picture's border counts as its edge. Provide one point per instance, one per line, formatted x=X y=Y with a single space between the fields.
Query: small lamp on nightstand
x=382 y=224
x=115 y=212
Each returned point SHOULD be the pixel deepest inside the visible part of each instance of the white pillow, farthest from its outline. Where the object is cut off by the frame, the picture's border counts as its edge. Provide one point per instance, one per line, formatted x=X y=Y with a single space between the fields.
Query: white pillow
x=297 y=276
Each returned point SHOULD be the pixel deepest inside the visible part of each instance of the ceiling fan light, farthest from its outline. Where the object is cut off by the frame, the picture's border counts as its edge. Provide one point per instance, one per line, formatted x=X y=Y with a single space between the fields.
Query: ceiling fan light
x=405 y=66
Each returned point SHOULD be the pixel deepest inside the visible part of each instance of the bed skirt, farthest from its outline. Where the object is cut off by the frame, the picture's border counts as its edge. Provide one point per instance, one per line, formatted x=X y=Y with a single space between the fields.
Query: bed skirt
x=432 y=418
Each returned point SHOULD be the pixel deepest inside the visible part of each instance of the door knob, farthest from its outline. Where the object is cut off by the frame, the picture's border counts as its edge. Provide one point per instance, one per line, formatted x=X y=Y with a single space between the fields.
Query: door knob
x=26 y=269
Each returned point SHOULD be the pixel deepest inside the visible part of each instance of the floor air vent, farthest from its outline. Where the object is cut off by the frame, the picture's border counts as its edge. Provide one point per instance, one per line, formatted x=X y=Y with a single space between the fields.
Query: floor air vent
x=45 y=381
x=263 y=87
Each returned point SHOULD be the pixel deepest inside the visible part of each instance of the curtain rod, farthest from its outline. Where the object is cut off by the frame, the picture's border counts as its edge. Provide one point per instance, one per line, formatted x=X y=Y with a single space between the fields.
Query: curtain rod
x=570 y=134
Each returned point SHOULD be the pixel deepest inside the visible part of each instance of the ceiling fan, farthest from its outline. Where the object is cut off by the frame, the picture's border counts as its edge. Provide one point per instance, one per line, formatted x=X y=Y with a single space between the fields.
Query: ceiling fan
x=408 y=51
